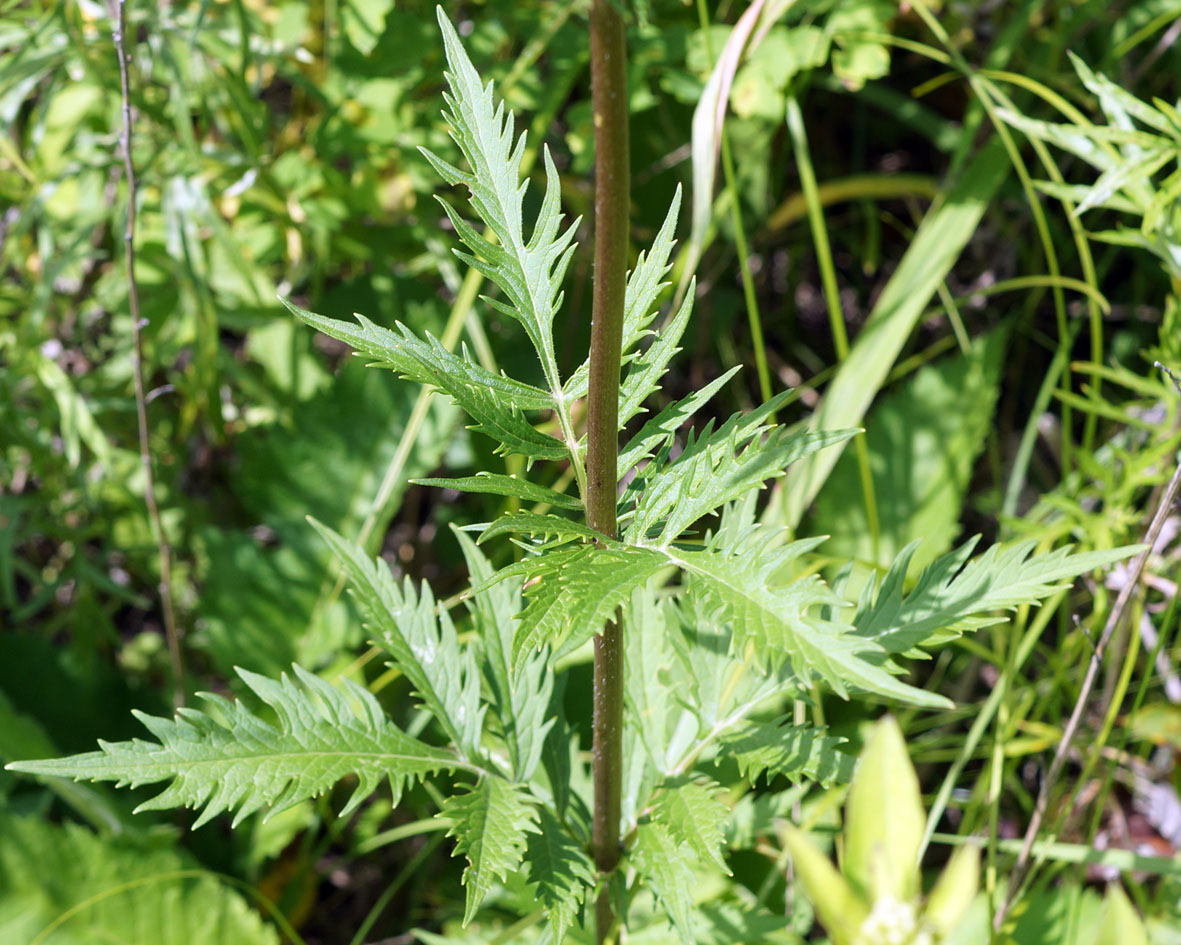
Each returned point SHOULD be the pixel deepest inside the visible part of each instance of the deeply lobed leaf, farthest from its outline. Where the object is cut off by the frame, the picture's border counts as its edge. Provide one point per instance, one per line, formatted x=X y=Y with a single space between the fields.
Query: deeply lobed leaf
x=495 y=402
x=421 y=639
x=490 y=822
x=233 y=759
x=955 y=594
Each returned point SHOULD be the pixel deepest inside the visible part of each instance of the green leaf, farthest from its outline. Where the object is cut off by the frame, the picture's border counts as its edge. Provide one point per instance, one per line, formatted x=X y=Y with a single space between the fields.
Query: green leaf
x=545 y=526
x=666 y=866
x=510 y=486
x=494 y=401
x=884 y=819
x=364 y=22
x=520 y=694
x=235 y=760
x=716 y=468
x=1119 y=924
x=951 y=596
x=529 y=272
x=644 y=374
x=64 y=884
x=659 y=430
x=421 y=639
x=694 y=814
x=489 y=822
x=572 y=594
x=562 y=871
x=798 y=752
x=954 y=890
x=856 y=59
x=1118 y=103
x=647 y=671
x=774 y=624
x=840 y=909
x=644 y=286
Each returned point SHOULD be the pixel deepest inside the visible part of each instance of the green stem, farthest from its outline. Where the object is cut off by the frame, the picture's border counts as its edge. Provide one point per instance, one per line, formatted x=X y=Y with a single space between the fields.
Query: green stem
x=612 y=187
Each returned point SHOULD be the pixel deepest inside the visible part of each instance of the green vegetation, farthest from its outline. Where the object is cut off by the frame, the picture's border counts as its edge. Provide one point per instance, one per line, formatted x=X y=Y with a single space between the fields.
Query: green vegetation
x=507 y=538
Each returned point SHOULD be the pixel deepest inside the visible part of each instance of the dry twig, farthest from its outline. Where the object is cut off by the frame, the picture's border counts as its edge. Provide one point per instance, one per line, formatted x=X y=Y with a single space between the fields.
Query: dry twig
x=119 y=34
x=1113 y=620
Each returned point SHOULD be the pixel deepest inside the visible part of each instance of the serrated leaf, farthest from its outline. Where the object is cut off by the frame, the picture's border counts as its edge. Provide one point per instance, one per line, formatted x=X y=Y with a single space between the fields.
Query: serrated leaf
x=529 y=272
x=509 y=486
x=421 y=639
x=694 y=814
x=235 y=760
x=647 y=663
x=644 y=285
x=955 y=594
x=495 y=402
x=797 y=752
x=717 y=467
x=659 y=430
x=777 y=624
x=644 y=374
x=573 y=594
x=544 y=526
x=520 y=694
x=562 y=871
x=666 y=867
x=489 y=823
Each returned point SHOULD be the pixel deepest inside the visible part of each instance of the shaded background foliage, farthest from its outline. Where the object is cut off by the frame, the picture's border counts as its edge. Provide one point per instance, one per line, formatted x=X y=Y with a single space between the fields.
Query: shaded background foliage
x=276 y=147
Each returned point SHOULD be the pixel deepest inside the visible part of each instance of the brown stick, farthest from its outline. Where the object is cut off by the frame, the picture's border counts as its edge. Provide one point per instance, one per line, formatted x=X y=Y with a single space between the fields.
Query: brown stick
x=141 y=408
x=1117 y=612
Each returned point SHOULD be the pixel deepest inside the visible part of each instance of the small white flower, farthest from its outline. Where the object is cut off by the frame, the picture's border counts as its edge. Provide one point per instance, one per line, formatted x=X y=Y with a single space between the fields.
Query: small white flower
x=891 y=922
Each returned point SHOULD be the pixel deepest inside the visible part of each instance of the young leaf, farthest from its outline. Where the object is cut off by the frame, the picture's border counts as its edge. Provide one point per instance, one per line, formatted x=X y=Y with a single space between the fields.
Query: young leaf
x=658 y=431
x=561 y=870
x=422 y=641
x=572 y=594
x=543 y=526
x=234 y=760
x=797 y=752
x=489 y=822
x=644 y=374
x=520 y=694
x=529 y=272
x=644 y=285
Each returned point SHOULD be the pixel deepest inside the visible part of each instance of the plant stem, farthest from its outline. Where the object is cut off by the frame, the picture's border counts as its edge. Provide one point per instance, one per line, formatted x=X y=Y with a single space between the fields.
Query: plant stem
x=609 y=99
x=137 y=361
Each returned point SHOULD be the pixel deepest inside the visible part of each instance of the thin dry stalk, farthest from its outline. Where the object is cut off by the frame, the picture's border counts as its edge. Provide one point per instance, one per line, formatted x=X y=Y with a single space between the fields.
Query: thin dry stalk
x=1060 y=756
x=137 y=324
